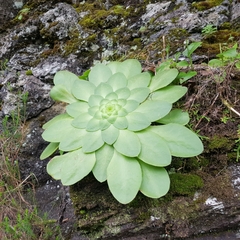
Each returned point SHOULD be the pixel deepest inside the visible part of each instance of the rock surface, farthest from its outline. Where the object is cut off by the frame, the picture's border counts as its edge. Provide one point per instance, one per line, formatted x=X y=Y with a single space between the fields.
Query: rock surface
x=72 y=35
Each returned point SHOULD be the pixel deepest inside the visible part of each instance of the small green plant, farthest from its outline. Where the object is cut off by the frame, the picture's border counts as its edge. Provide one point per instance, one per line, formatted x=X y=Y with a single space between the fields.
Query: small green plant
x=29 y=72
x=176 y=62
x=120 y=126
x=22 y=13
x=237 y=142
x=209 y=30
x=231 y=56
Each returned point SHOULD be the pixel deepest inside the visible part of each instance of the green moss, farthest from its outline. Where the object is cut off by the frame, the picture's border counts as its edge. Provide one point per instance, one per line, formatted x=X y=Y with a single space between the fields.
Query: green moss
x=220 y=142
x=185 y=184
x=29 y=72
x=204 y=5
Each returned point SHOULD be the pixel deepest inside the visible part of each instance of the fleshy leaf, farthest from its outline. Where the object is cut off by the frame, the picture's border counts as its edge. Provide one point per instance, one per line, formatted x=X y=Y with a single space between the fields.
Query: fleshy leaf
x=175 y=116
x=170 y=93
x=123 y=93
x=128 y=143
x=154 y=150
x=139 y=94
x=131 y=105
x=103 y=158
x=93 y=125
x=117 y=81
x=49 y=150
x=139 y=80
x=110 y=135
x=163 y=78
x=71 y=167
x=124 y=177
x=103 y=90
x=95 y=100
x=77 y=108
x=82 y=120
x=92 y=141
x=137 y=121
x=52 y=133
x=54 y=120
x=154 y=110
x=121 y=123
x=65 y=78
x=60 y=93
x=73 y=139
x=155 y=181
x=131 y=67
x=116 y=67
x=181 y=141
x=99 y=73
x=82 y=89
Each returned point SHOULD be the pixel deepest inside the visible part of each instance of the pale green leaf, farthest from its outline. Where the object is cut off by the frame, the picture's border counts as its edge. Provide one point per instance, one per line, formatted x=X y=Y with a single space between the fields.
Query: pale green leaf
x=139 y=94
x=95 y=100
x=60 y=93
x=154 y=109
x=104 y=124
x=52 y=133
x=71 y=167
x=128 y=143
x=111 y=96
x=103 y=158
x=131 y=67
x=123 y=93
x=49 y=150
x=169 y=94
x=155 y=181
x=137 y=121
x=110 y=135
x=121 y=122
x=94 y=111
x=163 y=78
x=103 y=89
x=175 y=116
x=131 y=105
x=82 y=120
x=191 y=48
x=124 y=177
x=99 y=73
x=82 y=89
x=139 y=80
x=54 y=166
x=154 y=150
x=215 y=63
x=72 y=140
x=65 y=78
x=54 y=120
x=93 y=125
x=117 y=81
x=116 y=67
x=181 y=141
x=77 y=108
x=92 y=141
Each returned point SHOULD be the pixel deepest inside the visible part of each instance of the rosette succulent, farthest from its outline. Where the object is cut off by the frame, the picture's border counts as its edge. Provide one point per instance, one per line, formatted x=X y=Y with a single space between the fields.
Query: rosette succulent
x=119 y=125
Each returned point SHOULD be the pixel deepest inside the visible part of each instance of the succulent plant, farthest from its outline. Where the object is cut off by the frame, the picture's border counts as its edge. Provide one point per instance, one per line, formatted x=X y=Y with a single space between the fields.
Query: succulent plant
x=119 y=125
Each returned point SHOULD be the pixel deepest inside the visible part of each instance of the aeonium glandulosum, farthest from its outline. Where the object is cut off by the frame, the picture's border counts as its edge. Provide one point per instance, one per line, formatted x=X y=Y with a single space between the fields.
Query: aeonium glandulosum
x=119 y=125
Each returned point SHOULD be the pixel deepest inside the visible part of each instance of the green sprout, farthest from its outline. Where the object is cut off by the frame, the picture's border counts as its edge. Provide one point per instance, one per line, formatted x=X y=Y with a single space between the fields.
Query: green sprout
x=208 y=30
x=119 y=126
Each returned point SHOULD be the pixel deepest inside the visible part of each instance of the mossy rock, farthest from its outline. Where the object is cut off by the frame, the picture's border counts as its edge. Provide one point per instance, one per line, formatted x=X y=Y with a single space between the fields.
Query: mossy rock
x=185 y=184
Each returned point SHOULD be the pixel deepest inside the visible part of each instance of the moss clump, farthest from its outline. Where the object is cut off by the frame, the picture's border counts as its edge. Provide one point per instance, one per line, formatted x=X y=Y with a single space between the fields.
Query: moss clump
x=220 y=142
x=204 y=5
x=29 y=72
x=185 y=184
